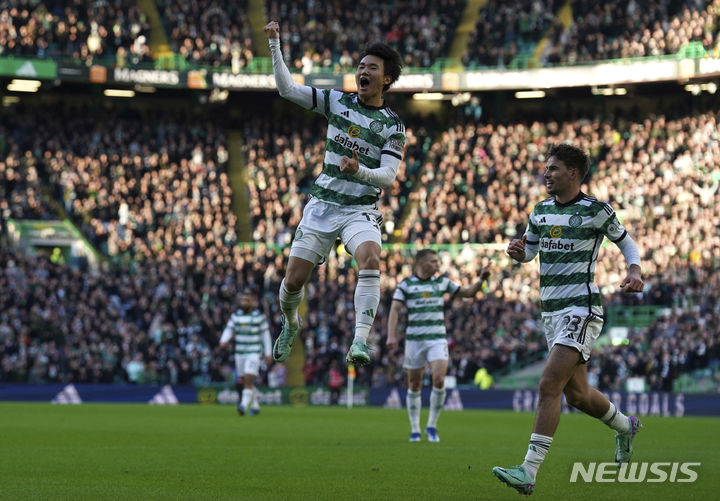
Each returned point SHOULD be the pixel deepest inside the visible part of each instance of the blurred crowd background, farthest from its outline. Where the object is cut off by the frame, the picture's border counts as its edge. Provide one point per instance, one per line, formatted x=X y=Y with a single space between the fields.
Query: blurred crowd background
x=149 y=188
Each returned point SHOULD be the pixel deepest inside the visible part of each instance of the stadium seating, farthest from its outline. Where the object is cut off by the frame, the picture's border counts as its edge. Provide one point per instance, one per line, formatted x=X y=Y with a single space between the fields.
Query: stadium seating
x=153 y=197
x=208 y=32
x=114 y=32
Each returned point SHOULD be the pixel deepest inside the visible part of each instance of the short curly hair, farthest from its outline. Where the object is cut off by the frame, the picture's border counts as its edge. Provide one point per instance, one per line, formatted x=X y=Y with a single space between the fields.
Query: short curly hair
x=572 y=156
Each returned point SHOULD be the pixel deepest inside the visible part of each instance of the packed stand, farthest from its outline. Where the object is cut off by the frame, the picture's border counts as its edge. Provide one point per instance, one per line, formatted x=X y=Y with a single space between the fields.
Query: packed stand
x=324 y=36
x=684 y=338
x=209 y=32
x=114 y=31
x=504 y=30
x=639 y=28
x=138 y=192
x=155 y=200
x=479 y=181
x=151 y=323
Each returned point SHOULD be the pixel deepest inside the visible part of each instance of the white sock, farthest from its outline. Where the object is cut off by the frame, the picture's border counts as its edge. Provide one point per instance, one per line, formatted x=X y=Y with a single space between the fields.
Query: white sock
x=289 y=304
x=437 y=399
x=616 y=419
x=255 y=403
x=538 y=447
x=414 y=404
x=367 y=298
x=246 y=398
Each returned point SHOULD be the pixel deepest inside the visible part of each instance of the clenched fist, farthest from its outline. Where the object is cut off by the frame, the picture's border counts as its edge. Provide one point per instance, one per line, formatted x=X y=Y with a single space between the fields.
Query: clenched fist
x=272 y=29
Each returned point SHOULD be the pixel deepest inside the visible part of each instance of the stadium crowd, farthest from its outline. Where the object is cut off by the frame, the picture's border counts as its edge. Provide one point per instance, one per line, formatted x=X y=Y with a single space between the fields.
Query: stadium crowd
x=619 y=29
x=504 y=30
x=208 y=32
x=328 y=35
x=112 y=31
x=153 y=197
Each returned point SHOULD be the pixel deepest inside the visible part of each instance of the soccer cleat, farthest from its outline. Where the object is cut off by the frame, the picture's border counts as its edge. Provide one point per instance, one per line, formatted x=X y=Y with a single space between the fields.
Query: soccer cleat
x=283 y=344
x=358 y=354
x=241 y=410
x=432 y=435
x=254 y=412
x=516 y=477
x=624 y=450
x=414 y=437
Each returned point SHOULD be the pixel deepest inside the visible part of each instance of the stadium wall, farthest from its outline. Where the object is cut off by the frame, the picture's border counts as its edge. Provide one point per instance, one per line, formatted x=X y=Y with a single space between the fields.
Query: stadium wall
x=643 y=404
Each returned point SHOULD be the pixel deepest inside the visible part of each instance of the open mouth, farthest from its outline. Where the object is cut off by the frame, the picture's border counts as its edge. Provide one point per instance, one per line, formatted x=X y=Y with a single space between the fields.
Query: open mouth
x=364 y=83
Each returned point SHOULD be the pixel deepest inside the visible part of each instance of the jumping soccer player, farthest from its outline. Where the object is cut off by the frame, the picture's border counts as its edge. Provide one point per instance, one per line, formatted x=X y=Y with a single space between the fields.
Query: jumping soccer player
x=363 y=149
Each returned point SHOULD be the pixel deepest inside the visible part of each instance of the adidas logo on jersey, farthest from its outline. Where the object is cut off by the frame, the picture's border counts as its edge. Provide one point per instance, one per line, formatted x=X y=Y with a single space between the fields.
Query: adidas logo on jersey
x=346 y=114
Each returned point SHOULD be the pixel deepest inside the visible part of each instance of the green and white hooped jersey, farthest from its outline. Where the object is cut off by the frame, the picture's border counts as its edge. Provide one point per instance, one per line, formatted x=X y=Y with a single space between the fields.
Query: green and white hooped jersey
x=353 y=126
x=425 y=303
x=250 y=332
x=569 y=237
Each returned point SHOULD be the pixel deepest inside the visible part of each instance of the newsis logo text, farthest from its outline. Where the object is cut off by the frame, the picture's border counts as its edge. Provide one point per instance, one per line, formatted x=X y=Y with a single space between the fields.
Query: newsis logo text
x=635 y=472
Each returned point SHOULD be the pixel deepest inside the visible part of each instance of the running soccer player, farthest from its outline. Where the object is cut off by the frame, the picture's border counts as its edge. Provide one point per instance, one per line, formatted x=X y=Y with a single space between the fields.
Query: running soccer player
x=423 y=294
x=567 y=229
x=363 y=149
x=248 y=330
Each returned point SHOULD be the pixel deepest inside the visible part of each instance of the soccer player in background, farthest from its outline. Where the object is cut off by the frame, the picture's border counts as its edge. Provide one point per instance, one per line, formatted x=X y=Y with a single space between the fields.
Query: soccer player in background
x=363 y=149
x=423 y=294
x=248 y=330
x=567 y=229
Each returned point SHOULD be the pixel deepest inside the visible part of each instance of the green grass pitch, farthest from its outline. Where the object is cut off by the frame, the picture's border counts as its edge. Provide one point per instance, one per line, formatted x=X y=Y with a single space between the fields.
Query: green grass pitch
x=134 y=451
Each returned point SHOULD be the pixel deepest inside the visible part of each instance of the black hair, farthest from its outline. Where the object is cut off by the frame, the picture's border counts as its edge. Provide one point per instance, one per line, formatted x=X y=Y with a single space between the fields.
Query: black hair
x=392 y=62
x=572 y=156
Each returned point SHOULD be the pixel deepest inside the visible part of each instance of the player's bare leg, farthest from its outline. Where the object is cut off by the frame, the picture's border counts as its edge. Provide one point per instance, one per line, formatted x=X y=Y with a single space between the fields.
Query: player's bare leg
x=580 y=395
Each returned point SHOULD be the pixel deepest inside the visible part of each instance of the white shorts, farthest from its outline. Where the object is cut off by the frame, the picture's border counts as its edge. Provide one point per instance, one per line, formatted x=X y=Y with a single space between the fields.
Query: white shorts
x=575 y=330
x=419 y=353
x=322 y=223
x=247 y=364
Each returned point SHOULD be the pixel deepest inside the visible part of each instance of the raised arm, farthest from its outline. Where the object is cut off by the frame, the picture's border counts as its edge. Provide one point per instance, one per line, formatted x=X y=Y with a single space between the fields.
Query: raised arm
x=226 y=335
x=473 y=289
x=307 y=97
